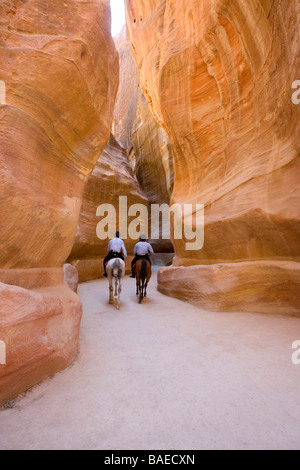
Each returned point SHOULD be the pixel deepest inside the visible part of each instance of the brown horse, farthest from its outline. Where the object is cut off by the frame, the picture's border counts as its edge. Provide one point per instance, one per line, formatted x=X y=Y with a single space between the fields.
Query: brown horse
x=142 y=274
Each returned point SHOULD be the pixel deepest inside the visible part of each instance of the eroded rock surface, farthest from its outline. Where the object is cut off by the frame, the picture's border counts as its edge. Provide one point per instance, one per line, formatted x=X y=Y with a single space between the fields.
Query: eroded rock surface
x=40 y=329
x=148 y=146
x=60 y=69
x=217 y=76
x=111 y=179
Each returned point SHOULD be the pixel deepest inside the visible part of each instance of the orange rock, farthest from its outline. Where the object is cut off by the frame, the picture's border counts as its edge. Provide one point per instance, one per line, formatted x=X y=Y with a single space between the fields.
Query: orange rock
x=111 y=178
x=40 y=329
x=59 y=66
x=253 y=286
x=217 y=76
x=152 y=155
x=147 y=144
x=71 y=277
x=128 y=93
x=137 y=131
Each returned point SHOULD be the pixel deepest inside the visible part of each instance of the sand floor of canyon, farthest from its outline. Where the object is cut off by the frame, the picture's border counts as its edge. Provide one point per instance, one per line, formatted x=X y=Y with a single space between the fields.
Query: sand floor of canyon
x=165 y=375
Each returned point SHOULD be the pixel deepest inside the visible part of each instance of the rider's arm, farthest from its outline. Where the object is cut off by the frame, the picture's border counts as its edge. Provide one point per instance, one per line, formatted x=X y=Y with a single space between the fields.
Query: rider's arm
x=124 y=250
x=150 y=250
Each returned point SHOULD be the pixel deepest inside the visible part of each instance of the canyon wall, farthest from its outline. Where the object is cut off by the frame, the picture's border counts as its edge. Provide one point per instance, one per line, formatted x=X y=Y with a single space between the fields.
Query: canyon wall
x=147 y=144
x=151 y=157
x=137 y=131
x=128 y=93
x=111 y=179
x=60 y=69
x=217 y=76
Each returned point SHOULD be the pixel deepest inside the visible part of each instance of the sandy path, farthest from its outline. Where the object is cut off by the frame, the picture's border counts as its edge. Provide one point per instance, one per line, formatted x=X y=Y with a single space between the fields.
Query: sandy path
x=165 y=375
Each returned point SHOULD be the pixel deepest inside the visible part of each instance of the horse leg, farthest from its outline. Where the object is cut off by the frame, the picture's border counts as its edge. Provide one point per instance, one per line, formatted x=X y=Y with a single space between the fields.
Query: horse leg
x=111 y=298
x=141 y=292
x=119 y=294
x=116 y=286
x=145 y=289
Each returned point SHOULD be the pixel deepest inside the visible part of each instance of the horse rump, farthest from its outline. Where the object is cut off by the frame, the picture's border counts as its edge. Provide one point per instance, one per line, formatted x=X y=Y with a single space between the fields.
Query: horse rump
x=116 y=272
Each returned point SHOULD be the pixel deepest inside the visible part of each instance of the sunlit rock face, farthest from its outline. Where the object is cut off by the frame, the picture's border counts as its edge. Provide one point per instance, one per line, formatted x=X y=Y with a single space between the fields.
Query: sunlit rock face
x=59 y=66
x=218 y=77
x=40 y=328
x=111 y=179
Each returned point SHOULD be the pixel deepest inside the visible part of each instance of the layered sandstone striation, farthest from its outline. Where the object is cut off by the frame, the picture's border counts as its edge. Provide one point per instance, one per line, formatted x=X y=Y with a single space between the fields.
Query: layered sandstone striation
x=218 y=76
x=111 y=179
x=128 y=93
x=152 y=155
x=40 y=329
x=60 y=69
x=152 y=161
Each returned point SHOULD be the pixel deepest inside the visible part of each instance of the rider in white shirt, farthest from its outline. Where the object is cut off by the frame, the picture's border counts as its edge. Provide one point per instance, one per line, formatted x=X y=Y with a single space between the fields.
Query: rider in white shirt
x=142 y=249
x=117 y=245
x=115 y=249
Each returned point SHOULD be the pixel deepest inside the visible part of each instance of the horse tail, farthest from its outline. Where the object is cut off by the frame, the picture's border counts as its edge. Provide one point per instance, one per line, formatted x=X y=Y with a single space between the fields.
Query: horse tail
x=143 y=270
x=117 y=269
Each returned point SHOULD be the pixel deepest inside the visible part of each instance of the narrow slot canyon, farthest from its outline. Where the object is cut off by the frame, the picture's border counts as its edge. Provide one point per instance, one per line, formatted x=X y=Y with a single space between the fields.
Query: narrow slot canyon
x=183 y=126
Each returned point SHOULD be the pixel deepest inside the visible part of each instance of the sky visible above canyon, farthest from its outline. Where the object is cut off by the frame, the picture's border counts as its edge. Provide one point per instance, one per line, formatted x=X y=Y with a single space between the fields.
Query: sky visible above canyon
x=117 y=16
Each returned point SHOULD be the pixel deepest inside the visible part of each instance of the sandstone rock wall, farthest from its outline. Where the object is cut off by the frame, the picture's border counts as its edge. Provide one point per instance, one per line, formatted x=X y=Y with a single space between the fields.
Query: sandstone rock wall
x=152 y=155
x=147 y=144
x=128 y=93
x=111 y=178
x=60 y=69
x=217 y=76
x=152 y=161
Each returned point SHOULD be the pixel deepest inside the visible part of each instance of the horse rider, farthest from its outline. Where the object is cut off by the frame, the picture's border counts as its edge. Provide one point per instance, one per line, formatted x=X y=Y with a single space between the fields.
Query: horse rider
x=115 y=248
x=142 y=250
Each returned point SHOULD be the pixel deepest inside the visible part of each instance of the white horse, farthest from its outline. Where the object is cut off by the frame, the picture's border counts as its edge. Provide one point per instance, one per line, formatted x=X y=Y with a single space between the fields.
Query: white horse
x=115 y=269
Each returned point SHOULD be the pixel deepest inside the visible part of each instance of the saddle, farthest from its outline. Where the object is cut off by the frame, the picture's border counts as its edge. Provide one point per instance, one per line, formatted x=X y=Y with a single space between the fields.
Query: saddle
x=146 y=257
